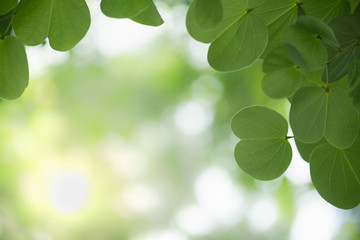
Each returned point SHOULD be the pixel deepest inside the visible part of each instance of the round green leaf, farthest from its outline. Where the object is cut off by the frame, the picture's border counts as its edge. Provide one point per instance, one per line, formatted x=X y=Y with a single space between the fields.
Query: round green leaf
x=346 y=29
x=337 y=68
x=305 y=149
x=7 y=5
x=304 y=48
x=149 y=16
x=335 y=174
x=208 y=13
x=317 y=113
x=232 y=12
x=281 y=83
x=123 y=8
x=316 y=26
x=64 y=22
x=259 y=122
x=263 y=159
x=14 y=73
x=240 y=45
x=263 y=152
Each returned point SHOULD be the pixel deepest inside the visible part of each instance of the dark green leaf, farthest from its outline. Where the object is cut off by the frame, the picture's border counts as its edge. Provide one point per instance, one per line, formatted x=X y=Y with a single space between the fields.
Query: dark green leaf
x=14 y=73
x=64 y=22
x=335 y=174
x=7 y=5
x=240 y=45
x=317 y=113
x=123 y=8
x=263 y=152
x=316 y=26
x=149 y=16
x=337 y=68
x=305 y=149
x=346 y=29
x=326 y=10
x=208 y=13
x=304 y=48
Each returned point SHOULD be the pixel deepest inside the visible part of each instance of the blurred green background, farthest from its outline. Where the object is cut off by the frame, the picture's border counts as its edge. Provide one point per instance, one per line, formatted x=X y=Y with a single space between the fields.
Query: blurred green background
x=132 y=140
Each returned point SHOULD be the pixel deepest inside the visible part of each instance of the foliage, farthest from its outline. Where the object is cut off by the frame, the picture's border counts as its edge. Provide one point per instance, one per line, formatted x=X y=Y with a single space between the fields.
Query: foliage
x=310 y=51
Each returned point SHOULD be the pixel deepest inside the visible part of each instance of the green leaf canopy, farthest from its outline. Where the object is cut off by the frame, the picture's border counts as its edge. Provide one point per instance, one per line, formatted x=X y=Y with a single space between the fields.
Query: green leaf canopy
x=317 y=113
x=14 y=73
x=64 y=22
x=263 y=151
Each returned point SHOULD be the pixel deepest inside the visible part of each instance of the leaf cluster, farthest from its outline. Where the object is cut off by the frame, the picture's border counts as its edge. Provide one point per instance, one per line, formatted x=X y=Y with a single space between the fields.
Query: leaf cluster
x=311 y=55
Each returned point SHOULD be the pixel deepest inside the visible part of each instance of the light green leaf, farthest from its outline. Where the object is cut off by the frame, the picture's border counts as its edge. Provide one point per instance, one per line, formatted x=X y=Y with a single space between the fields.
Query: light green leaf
x=326 y=10
x=316 y=26
x=281 y=83
x=64 y=22
x=240 y=45
x=335 y=174
x=14 y=73
x=208 y=13
x=233 y=10
x=149 y=16
x=123 y=8
x=263 y=152
x=305 y=149
x=317 y=113
x=7 y=5
x=304 y=48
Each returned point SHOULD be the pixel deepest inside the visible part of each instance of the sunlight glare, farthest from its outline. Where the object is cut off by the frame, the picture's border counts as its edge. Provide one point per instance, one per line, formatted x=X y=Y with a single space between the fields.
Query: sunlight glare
x=193 y=117
x=263 y=214
x=69 y=190
x=216 y=193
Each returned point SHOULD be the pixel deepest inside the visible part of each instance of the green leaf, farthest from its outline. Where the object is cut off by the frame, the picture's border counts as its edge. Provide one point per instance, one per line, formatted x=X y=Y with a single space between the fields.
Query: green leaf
x=317 y=113
x=208 y=13
x=305 y=149
x=5 y=30
x=335 y=174
x=276 y=60
x=240 y=45
x=263 y=152
x=337 y=68
x=14 y=73
x=304 y=48
x=316 y=26
x=149 y=16
x=346 y=29
x=7 y=5
x=232 y=12
x=354 y=73
x=281 y=83
x=326 y=10
x=123 y=8
x=64 y=22
x=277 y=15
